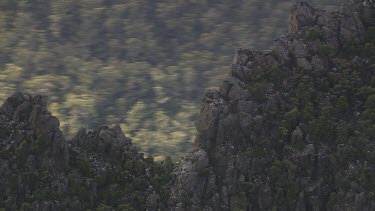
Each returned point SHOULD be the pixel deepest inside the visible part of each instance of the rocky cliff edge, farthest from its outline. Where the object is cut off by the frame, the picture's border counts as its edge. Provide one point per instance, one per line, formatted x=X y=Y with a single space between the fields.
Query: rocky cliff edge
x=289 y=128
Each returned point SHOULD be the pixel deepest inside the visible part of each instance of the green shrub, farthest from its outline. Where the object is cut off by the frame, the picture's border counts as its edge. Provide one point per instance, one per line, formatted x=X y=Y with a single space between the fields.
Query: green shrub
x=156 y=181
x=84 y=168
x=323 y=129
x=111 y=177
x=370 y=102
x=308 y=112
x=249 y=187
x=270 y=74
x=74 y=185
x=325 y=51
x=25 y=206
x=364 y=92
x=313 y=34
x=258 y=91
x=125 y=207
x=168 y=164
x=292 y=118
x=41 y=195
x=138 y=167
x=256 y=151
x=22 y=153
x=41 y=145
x=103 y=207
x=341 y=104
x=140 y=184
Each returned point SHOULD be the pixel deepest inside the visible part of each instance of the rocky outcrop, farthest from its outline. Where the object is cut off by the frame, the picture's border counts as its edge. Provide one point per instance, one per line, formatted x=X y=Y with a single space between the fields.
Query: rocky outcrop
x=109 y=142
x=272 y=137
x=31 y=142
x=26 y=117
x=40 y=170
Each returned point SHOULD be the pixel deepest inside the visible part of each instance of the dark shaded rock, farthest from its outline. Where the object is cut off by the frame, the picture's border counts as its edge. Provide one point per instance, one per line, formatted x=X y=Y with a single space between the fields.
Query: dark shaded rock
x=301 y=15
x=234 y=90
x=351 y=25
x=267 y=139
x=110 y=142
x=40 y=170
x=246 y=61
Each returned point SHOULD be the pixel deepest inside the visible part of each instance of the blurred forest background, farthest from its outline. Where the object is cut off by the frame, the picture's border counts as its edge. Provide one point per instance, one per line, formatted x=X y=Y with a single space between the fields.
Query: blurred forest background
x=141 y=63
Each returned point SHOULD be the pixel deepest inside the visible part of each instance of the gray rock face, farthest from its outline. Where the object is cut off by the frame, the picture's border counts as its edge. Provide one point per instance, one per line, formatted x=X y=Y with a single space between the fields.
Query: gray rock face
x=26 y=117
x=189 y=176
x=262 y=153
x=110 y=142
x=301 y=15
x=246 y=61
x=34 y=137
x=351 y=25
x=40 y=170
x=234 y=90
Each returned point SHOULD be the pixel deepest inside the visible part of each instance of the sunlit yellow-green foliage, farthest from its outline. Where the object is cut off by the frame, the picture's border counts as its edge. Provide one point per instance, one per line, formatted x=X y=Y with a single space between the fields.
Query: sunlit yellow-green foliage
x=141 y=63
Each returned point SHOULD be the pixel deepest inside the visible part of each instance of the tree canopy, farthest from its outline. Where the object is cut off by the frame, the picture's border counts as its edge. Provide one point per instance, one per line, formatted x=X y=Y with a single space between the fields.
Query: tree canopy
x=141 y=63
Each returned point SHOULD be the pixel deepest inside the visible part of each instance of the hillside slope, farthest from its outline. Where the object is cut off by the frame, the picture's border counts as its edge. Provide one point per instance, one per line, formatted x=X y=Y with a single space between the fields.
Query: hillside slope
x=290 y=129
x=142 y=64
